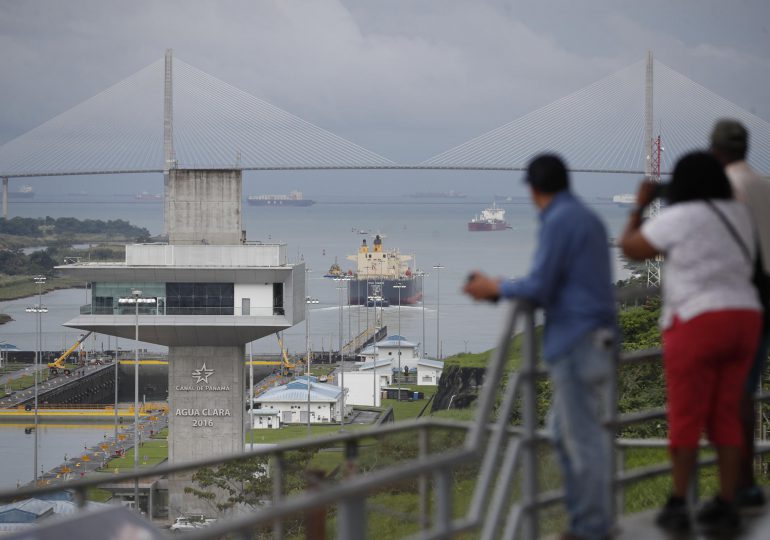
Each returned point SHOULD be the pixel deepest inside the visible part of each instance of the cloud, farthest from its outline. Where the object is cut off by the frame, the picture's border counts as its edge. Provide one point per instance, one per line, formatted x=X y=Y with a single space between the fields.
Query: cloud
x=406 y=79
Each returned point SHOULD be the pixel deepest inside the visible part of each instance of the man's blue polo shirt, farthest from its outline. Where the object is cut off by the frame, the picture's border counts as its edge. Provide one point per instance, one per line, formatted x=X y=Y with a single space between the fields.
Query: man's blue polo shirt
x=570 y=276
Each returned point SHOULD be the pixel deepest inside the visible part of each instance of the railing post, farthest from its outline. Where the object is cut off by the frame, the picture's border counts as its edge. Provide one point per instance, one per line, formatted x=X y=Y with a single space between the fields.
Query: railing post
x=616 y=462
x=352 y=511
x=619 y=492
x=443 y=490
x=278 y=468
x=529 y=403
x=423 y=484
x=692 y=486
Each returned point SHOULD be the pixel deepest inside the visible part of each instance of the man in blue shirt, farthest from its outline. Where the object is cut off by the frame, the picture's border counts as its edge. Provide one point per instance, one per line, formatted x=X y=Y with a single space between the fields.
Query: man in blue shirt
x=572 y=280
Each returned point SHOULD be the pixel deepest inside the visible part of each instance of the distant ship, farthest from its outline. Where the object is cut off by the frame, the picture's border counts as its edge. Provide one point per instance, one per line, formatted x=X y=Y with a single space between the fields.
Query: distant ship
x=490 y=219
x=624 y=199
x=294 y=198
x=334 y=270
x=24 y=192
x=147 y=196
x=438 y=195
x=377 y=273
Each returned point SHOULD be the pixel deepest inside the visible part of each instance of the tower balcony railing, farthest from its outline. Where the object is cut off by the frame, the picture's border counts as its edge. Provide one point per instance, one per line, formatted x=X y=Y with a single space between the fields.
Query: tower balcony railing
x=161 y=309
x=483 y=476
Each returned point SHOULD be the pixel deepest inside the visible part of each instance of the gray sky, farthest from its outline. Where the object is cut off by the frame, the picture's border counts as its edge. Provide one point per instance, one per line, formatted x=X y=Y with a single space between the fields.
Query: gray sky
x=404 y=78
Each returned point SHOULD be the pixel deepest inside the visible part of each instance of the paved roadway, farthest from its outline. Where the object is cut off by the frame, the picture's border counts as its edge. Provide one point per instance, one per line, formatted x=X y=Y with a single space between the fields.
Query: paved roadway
x=20 y=396
x=94 y=457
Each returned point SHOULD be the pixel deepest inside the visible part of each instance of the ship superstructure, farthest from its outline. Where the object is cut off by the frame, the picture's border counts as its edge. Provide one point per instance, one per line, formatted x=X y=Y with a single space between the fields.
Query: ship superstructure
x=490 y=219
x=377 y=271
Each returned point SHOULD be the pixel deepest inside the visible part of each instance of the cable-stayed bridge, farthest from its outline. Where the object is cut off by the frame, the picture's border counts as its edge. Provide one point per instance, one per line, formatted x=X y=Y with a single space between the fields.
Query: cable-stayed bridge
x=211 y=124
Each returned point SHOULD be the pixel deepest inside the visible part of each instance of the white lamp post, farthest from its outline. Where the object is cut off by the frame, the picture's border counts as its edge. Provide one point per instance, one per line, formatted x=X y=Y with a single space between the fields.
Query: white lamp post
x=399 y=286
x=341 y=283
x=438 y=268
x=39 y=309
x=136 y=299
x=422 y=275
x=307 y=346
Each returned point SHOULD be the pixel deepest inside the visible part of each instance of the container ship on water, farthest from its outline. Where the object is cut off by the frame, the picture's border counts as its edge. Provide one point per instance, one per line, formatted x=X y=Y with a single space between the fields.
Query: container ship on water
x=377 y=274
x=490 y=219
x=294 y=198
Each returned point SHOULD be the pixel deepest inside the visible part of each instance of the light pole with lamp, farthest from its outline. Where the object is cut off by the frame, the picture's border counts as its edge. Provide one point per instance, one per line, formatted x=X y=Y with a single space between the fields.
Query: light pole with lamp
x=375 y=335
x=340 y=286
x=422 y=275
x=115 y=359
x=307 y=346
x=399 y=286
x=136 y=299
x=39 y=309
x=438 y=268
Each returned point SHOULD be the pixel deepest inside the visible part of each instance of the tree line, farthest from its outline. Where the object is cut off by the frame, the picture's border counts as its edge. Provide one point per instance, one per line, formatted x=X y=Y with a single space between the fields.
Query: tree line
x=39 y=227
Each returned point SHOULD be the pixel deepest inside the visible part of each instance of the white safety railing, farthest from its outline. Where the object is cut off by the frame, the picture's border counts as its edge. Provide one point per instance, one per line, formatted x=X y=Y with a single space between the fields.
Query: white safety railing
x=506 y=454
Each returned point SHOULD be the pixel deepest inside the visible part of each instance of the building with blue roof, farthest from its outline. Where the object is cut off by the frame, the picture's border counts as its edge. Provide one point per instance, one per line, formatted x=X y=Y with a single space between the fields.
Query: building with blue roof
x=390 y=348
x=291 y=401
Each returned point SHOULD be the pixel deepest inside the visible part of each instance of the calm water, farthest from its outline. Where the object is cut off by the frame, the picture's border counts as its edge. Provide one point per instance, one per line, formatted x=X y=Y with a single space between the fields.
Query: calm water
x=432 y=233
x=54 y=442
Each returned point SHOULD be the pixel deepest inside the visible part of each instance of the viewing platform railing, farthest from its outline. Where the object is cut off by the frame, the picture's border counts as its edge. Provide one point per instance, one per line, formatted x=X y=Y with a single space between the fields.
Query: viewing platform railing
x=507 y=497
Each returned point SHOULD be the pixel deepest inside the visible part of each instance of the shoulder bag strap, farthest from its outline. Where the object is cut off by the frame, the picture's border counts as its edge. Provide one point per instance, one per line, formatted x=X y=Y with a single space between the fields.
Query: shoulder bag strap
x=732 y=230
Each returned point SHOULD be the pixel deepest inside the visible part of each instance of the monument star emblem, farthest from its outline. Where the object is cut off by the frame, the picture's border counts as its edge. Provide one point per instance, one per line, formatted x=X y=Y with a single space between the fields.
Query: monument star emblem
x=202 y=374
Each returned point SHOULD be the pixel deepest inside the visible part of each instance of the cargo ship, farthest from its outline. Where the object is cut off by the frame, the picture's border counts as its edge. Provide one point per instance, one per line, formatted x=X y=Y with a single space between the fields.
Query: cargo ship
x=147 y=196
x=624 y=199
x=438 y=195
x=24 y=192
x=294 y=198
x=490 y=219
x=377 y=274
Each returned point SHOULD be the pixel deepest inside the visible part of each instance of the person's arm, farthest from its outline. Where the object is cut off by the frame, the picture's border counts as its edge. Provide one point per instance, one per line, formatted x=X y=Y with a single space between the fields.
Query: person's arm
x=547 y=268
x=633 y=242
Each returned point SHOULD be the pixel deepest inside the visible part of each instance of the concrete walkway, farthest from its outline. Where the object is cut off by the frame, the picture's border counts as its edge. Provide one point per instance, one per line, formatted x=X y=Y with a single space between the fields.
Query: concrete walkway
x=97 y=456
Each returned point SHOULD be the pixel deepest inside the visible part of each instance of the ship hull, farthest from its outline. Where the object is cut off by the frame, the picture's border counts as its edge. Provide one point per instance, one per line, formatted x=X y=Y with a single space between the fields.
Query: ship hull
x=486 y=226
x=280 y=202
x=20 y=195
x=410 y=294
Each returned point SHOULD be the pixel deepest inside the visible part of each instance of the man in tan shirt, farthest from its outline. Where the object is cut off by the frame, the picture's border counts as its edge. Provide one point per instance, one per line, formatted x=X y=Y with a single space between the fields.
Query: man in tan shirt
x=729 y=143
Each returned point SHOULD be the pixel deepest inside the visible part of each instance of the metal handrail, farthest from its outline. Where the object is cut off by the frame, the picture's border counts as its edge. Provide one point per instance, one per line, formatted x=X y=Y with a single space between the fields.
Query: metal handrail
x=504 y=450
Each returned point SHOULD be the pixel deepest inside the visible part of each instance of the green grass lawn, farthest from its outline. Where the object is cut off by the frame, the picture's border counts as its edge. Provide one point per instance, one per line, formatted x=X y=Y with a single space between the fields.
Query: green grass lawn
x=295 y=431
x=23 y=382
x=162 y=434
x=12 y=287
x=151 y=453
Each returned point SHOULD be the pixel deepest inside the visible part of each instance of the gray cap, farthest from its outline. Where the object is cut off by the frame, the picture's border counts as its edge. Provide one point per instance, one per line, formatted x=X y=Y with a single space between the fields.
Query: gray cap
x=729 y=135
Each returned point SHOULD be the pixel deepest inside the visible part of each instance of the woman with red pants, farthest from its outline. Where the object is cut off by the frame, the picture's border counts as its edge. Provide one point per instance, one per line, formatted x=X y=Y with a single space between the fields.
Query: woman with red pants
x=710 y=321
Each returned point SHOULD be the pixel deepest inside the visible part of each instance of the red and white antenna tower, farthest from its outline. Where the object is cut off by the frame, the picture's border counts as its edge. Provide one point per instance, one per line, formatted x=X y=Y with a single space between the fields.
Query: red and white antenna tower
x=653 y=265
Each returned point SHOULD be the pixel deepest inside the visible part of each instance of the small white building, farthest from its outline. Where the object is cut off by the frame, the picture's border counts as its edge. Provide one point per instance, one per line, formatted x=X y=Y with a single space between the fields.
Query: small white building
x=389 y=349
x=265 y=418
x=429 y=371
x=291 y=401
x=364 y=386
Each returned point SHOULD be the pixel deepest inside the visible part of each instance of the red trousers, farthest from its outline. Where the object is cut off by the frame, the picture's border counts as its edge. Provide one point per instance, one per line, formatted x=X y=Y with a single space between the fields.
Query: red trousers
x=706 y=362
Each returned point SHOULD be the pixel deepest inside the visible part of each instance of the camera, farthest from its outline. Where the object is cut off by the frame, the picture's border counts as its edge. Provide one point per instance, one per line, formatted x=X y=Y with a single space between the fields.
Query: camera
x=661 y=190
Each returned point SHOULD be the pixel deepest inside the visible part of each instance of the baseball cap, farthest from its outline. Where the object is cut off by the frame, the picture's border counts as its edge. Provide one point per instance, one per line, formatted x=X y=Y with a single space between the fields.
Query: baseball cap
x=729 y=134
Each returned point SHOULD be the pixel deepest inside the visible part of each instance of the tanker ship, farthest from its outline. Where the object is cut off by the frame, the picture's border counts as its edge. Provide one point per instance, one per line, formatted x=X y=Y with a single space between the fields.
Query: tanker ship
x=294 y=198
x=491 y=219
x=376 y=275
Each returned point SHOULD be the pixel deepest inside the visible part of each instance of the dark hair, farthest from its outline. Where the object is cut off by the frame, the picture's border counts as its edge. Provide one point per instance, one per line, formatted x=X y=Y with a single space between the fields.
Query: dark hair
x=698 y=176
x=547 y=174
